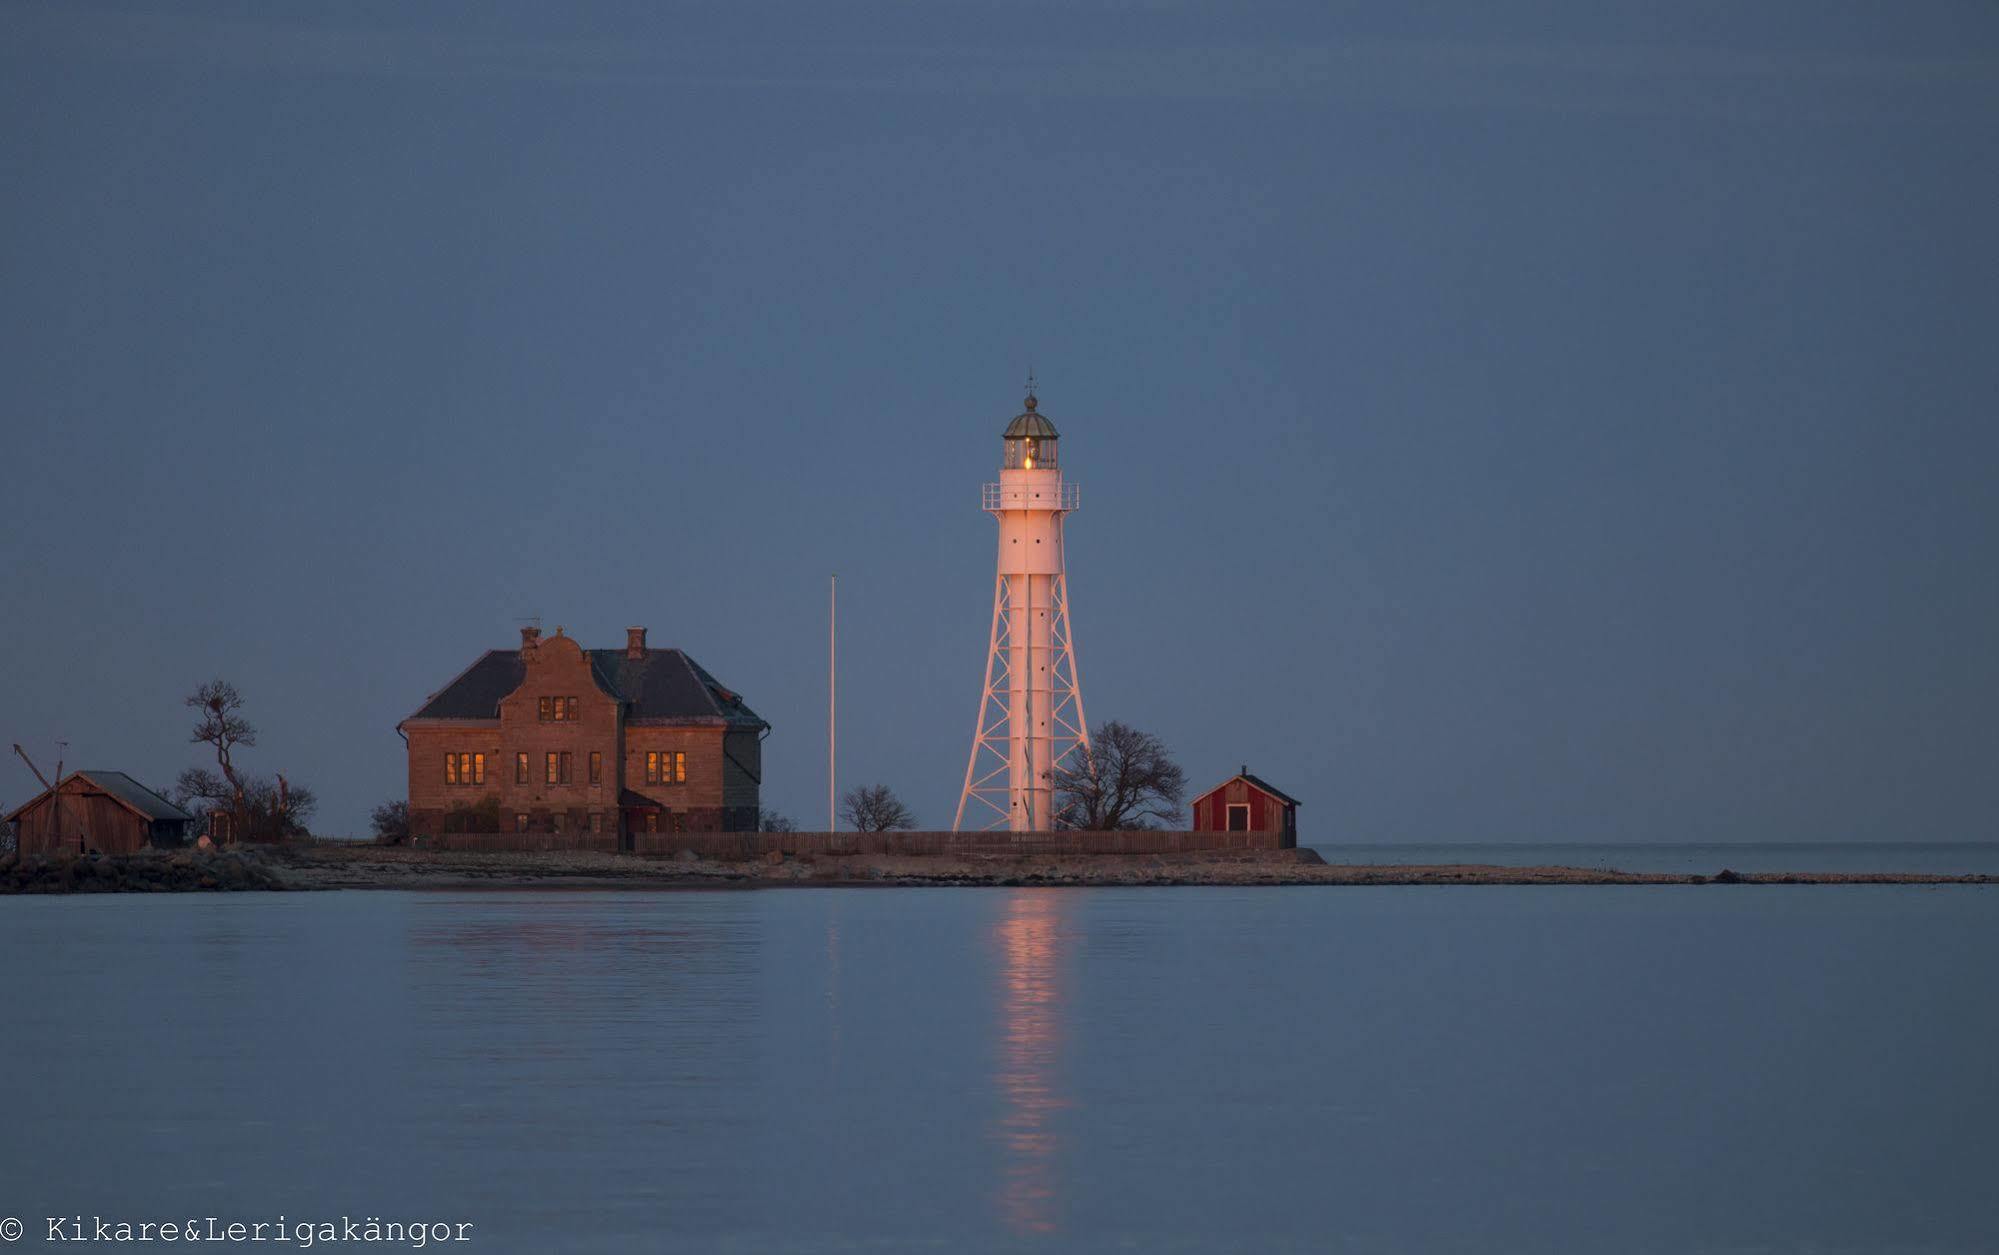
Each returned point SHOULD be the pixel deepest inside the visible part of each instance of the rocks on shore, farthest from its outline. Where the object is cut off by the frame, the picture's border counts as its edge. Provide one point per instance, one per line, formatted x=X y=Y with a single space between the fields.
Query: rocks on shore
x=327 y=865
x=161 y=871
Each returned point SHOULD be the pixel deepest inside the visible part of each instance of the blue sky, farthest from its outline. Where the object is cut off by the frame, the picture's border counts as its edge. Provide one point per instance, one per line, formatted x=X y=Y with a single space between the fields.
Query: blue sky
x=1523 y=422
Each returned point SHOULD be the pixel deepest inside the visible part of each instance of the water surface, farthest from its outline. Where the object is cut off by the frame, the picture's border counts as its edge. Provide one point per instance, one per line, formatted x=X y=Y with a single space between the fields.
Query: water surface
x=1951 y=858
x=1377 y=1069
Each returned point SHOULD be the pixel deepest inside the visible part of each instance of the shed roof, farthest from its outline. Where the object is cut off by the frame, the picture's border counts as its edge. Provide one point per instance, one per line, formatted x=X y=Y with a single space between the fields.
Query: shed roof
x=130 y=793
x=665 y=684
x=1255 y=782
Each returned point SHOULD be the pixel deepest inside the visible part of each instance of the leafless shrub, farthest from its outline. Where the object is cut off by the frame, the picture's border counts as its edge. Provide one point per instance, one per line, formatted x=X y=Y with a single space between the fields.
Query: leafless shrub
x=1123 y=779
x=875 y=808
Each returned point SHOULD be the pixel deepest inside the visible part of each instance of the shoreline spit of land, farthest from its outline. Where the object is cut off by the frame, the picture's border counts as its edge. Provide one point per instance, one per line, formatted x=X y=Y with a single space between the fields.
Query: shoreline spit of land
x=325 y=865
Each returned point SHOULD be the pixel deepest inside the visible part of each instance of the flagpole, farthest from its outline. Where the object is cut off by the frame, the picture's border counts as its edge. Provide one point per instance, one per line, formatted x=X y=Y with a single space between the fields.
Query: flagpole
x=832 y=696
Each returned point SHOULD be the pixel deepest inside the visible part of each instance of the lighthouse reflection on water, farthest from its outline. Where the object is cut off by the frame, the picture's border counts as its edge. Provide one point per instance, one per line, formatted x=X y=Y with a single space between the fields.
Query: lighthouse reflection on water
x=1028 y=937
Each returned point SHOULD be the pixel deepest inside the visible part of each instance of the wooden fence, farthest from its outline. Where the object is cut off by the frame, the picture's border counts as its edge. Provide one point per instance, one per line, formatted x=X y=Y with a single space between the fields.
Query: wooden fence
x=752 y=845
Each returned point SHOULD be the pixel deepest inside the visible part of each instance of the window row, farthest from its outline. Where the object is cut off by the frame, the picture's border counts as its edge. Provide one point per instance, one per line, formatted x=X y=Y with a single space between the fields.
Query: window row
x=662 y=767
x=556 y=710
x=557 y=768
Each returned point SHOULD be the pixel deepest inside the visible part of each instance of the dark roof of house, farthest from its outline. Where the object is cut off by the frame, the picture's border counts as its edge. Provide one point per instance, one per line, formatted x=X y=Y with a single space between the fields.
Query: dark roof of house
x=1257 y=782
x=665 y=684
x=120 y=786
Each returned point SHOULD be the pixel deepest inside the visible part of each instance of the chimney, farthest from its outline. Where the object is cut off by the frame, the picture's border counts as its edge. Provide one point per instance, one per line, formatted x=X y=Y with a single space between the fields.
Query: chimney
x=635 y=644
x=530 y=642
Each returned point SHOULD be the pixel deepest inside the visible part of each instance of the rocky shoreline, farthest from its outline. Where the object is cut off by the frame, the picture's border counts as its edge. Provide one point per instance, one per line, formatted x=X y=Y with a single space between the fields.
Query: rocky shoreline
x=178 y=871
x=325 y=865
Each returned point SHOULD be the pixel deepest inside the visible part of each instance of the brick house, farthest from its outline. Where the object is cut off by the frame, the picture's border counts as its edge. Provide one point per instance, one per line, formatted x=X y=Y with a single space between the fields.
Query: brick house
x=596 y=743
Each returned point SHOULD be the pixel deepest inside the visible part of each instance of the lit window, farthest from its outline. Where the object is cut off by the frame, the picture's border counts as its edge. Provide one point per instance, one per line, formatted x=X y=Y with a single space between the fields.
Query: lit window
x=478 y=769
x=521 y=769
x=451 y=769
x=569 y=704
x=680 y=768
x=554 y=765
x=652 y=821
x=543 y=709
x=596 y=767
x=652 y=767
x=520 y=823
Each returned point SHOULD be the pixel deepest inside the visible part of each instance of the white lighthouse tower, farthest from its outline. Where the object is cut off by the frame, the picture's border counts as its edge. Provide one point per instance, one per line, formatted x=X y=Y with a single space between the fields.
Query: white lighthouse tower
x=1031 y=711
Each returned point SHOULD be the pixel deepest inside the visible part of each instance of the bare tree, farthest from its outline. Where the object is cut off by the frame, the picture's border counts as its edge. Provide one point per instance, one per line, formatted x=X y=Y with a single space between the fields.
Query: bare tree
x=875 y=808
x=391 y=821
x=1124 y=779
x=223 y=726
x=774 y=821
x=259 y=809
x=197 y=790
x=278 y=811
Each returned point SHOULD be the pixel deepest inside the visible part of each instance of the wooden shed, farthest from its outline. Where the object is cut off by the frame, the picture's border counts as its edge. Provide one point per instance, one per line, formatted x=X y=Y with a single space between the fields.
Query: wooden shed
x=1245 y=803
x=106 y=811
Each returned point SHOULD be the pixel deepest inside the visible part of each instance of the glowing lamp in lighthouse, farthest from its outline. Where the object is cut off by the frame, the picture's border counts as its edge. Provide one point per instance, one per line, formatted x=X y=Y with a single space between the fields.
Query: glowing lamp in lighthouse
x=1030 y=720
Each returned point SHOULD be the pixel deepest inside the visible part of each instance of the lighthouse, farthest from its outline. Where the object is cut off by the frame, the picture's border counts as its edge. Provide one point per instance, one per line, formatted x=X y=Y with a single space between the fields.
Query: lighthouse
x=1030 y=720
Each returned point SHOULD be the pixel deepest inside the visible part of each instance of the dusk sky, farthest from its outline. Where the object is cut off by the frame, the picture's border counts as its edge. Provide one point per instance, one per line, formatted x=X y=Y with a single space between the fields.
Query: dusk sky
x=1567 y=422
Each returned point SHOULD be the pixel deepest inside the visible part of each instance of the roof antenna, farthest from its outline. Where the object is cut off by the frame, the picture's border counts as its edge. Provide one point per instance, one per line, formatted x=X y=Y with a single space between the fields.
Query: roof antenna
x=1030 y=381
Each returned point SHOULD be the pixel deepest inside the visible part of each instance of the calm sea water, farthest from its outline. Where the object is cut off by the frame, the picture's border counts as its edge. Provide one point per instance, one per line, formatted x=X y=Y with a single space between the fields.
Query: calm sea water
x=1371 y=1070
x=1943 y=857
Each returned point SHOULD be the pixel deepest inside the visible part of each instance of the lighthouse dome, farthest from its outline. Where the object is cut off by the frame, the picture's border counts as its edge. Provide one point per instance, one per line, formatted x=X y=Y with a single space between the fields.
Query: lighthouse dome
x=1030 y=441
x=1031 y=425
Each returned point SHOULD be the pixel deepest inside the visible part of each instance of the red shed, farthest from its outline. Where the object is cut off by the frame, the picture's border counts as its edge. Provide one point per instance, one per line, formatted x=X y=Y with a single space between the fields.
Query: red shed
x=1244 y=803
x=107 y=811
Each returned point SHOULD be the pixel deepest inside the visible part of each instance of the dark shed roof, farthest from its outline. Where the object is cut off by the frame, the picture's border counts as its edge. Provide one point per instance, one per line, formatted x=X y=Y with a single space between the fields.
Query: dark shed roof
x=1257 y=782
x=134 y=795
x=665 y=684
